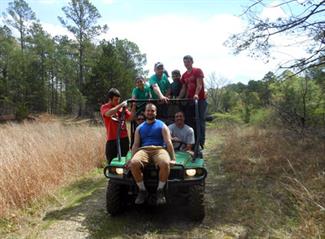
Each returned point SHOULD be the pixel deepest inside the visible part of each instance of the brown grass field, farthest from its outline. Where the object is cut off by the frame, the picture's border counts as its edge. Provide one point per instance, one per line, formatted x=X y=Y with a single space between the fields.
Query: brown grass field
x=279 y=180
x=269 y=181
x=36 y=158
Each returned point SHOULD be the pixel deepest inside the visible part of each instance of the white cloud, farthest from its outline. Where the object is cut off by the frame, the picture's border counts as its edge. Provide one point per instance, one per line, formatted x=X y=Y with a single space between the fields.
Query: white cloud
x=168 y=38
x=273 y=12
x=54 y=30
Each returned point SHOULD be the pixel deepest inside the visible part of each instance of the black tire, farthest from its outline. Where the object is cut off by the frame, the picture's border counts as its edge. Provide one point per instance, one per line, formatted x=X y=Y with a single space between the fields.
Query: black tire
x=115 y=198
x=196 y=209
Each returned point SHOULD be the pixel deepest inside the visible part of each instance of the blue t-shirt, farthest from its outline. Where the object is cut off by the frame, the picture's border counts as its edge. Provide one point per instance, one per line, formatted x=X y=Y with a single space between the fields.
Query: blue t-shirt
x=151 y=134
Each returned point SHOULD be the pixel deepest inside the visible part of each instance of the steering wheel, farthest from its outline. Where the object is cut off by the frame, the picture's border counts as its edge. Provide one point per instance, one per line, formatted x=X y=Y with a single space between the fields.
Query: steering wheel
x=181 y=143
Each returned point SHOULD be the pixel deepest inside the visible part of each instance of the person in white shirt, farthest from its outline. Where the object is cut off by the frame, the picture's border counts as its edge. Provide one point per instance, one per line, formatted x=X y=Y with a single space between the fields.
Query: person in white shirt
x=180 y=132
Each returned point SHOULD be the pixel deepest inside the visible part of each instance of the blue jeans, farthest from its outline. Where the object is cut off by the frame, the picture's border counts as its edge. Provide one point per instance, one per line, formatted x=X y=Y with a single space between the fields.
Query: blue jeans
x=203 y=105
x=190 y=119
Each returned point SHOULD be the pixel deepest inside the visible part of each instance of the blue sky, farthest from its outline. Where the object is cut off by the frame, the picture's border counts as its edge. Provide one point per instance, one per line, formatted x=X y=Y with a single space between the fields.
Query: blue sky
x=47 y=10
x=166 y=30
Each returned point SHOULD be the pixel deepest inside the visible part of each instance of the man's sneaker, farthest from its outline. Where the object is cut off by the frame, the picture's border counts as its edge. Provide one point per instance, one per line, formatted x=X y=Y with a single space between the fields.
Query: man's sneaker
x=161 y=197
x=142 y=196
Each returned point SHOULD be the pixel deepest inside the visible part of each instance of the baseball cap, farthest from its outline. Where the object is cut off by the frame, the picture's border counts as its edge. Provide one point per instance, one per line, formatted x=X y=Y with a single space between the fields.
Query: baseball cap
x=139 y=78
x=159 y=64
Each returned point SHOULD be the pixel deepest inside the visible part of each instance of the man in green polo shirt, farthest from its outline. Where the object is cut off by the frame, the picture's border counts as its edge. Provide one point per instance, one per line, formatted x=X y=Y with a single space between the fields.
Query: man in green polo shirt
x=159 y=83
x=160 y=86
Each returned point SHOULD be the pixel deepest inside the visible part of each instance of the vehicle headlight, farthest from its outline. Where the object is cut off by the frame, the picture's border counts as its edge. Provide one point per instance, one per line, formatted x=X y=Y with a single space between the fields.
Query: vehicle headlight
x=190 y=172
x=119 y=171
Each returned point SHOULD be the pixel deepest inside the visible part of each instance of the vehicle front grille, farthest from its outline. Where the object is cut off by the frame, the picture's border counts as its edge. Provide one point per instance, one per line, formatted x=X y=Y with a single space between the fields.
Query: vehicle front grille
x=151 y=173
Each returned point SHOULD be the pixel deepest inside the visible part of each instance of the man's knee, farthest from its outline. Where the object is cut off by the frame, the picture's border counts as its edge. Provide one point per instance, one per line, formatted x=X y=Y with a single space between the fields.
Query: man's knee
x=163 y=165
x=135 y=164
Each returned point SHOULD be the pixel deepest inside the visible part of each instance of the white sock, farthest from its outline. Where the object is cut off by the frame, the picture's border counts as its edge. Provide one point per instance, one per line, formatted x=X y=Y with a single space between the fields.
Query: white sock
x=141 y=186
x=161 y=185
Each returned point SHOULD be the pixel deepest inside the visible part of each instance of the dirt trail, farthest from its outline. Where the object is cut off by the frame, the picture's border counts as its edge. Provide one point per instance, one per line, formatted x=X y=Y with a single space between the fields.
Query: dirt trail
x=88 y=219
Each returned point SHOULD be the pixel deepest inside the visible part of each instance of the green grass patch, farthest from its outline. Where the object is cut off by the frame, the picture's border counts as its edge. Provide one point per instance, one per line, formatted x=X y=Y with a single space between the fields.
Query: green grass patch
x=66 y=199
x=261 y=117
x=221 y=120
x=258 y=117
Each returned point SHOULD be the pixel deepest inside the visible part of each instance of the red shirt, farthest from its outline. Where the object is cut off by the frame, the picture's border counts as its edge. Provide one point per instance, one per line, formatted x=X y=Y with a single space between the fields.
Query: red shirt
x=189 y=79
x=111 y=123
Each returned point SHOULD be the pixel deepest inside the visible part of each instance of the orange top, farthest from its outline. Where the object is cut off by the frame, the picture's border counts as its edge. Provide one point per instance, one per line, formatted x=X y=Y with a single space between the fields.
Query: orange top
x=111 y=123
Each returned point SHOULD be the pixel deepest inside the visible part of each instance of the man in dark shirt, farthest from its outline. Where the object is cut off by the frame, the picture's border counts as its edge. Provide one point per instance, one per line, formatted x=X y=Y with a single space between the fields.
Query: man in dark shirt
x=176 y=86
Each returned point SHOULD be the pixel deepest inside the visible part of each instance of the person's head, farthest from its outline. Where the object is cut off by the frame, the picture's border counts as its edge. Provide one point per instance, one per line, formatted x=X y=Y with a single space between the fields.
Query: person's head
x=159 y=69
x=176 y=75
x=139 y=82
x=150 y=111
x=113 y=96
x=188 y=62
x=140 y=118
x=179 y=119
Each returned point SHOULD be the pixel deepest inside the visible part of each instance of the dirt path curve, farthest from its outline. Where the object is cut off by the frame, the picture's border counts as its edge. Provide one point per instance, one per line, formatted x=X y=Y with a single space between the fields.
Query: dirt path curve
x=88 y=219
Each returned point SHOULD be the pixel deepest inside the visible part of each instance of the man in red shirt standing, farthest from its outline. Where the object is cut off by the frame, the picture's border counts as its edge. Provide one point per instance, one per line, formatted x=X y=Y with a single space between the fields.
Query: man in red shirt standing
x=111 y=112
x=193 y=88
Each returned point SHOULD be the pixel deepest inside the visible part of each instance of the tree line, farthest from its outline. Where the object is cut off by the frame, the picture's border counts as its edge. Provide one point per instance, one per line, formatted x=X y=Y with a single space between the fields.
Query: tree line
x=297 y=95
x=60 y=75
x=297 y=100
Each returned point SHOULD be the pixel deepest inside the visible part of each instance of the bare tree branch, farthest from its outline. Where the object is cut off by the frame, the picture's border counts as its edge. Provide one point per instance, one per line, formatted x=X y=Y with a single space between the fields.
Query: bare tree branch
x=257 y=38
x=250 y=7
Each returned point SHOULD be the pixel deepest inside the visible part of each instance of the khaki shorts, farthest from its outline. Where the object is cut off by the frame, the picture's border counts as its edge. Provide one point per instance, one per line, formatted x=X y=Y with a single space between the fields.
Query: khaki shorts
x=151 y=154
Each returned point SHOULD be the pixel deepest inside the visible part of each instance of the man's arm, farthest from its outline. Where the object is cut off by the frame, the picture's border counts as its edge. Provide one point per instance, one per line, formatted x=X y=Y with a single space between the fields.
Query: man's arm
x=190 y=139
x=168 y=142
x=189 y=147
x=182 y=92
x=199 y=85
x=136 y=143
x=156 y=89
x=113 y=110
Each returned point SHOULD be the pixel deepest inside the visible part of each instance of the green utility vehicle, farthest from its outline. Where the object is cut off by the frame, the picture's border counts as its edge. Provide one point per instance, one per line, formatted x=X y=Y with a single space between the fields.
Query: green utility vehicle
x=186 y=181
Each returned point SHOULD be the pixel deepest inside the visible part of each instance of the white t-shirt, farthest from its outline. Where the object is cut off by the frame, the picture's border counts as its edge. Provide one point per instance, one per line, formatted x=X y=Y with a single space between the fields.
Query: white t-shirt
x=185 y=134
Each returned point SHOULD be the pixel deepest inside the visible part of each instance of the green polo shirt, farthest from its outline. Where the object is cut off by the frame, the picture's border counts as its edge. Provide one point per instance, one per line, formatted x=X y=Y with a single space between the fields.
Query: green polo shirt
x=163 y=84
x=141 y=95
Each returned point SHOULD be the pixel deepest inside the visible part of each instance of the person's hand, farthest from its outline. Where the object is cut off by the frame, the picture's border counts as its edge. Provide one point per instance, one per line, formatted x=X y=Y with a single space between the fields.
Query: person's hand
x=196 y=97
x=172 y=162
x=164 y=99
x=205 y=94
x=190 y=152
x=175 y=139
x=124 y=103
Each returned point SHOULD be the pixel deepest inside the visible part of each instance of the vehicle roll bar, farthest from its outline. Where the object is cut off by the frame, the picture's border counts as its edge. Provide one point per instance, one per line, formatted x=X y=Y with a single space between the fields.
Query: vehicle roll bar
x=158 y=100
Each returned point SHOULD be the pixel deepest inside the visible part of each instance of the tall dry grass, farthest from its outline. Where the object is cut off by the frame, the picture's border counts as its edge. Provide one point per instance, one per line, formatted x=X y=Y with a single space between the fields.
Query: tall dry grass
x=287 y=170
x=36 y=158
